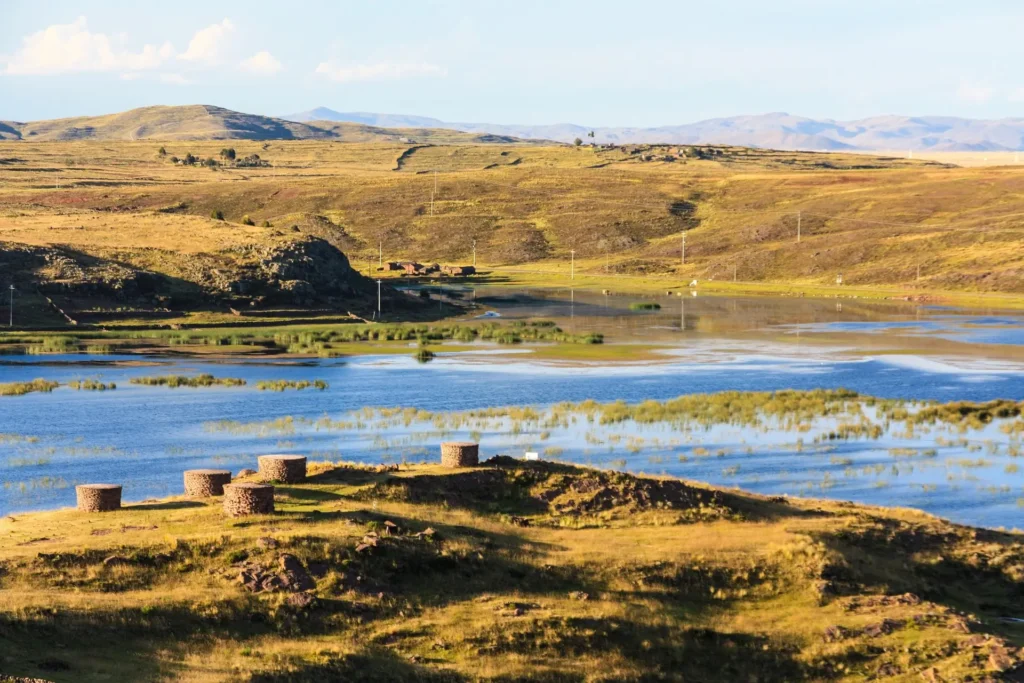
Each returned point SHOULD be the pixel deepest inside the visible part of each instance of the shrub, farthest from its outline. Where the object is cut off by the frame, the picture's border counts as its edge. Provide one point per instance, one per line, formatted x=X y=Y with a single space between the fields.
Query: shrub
x=247 y=221
x=228 y=153
x=266 y=224
x=217 y=215
x=162 y=152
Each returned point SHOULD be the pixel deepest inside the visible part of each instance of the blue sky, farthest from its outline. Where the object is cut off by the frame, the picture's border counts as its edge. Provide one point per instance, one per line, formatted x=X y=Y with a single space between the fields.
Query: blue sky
x=637 y=63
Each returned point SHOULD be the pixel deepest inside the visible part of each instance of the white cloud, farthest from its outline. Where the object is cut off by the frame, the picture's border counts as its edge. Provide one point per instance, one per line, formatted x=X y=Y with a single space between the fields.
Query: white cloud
x=262 y=63
x=205 y=46
x=381 y=71
x=68 y=48
x=977 y=94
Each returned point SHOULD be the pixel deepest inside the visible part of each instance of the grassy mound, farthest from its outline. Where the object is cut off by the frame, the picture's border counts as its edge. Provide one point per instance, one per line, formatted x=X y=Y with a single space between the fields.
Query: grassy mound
x=507 y=572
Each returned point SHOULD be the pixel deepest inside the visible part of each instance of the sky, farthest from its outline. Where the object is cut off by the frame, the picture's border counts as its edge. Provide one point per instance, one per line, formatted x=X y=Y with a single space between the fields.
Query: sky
x=597 y=63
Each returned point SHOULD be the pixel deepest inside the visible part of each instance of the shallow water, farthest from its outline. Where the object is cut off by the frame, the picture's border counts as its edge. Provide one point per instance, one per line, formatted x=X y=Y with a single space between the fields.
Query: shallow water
x=144 y=437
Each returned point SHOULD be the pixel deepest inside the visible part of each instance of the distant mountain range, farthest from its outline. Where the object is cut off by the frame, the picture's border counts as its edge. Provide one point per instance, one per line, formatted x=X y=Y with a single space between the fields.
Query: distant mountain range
x=771 y=131
x=775 y=131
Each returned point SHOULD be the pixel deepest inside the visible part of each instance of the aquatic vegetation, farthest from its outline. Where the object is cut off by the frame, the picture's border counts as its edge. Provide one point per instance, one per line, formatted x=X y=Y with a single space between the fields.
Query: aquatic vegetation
x=284 y=385
x=54 y=344
x=191 y=381
x=91 y=385
x=22 y=388
x=318 y=342
x=99 y=349
x=424 y=355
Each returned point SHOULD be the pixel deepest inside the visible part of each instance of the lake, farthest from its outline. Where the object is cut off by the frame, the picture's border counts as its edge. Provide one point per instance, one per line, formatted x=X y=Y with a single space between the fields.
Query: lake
x=144 y=436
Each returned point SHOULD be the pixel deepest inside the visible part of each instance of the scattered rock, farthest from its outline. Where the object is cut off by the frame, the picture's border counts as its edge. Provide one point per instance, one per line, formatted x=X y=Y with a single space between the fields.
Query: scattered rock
x=369 y=541
x=931 y=675
x=888 y=670
x=266 y=542
x=999 y=659
x=245 y=473
x=301 y=601
x=882 y=628
x=515 y=520
x=836 y=633
x=579 y=595
x=294 y=576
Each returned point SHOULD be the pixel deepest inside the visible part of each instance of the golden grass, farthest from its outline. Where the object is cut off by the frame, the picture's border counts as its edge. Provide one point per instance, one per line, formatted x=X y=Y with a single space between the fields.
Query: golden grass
x=626 y=590
x=892 y=227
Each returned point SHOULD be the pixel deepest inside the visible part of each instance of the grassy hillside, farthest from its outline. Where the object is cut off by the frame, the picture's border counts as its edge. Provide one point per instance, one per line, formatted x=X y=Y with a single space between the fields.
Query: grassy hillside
x=508 y=572
x=909 y=227
x=205 y=122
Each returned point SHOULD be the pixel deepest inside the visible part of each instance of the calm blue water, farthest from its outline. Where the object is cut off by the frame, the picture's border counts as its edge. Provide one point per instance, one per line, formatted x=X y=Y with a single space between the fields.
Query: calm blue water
x=144 y=437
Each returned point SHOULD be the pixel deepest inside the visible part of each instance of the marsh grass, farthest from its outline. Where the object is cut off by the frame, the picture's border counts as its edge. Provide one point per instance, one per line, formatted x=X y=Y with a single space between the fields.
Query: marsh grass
x=91 y=385
x=54 y=345
x=297 y=385
x=191 y=381
x=22 y=388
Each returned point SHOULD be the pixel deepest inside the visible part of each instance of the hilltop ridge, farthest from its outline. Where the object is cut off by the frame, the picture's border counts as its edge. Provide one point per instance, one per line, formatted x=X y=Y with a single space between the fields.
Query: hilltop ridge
x=207 y=122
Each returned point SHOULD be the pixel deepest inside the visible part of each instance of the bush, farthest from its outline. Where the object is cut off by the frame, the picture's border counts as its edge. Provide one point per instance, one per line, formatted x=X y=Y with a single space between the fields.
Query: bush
x=162 y=152
x=247 y=221
x=228 y=153
x=644 y=306
x=211 y=162
x=217 y=215
x=266 y=224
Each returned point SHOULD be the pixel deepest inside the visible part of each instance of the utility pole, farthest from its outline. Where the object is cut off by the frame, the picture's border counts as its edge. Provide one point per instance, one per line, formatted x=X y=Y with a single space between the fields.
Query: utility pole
x=572 y=265
x=12 y=307
x=378 y=298
x=684 y=250
x=434 y=192
x=798 y=226
x=380 y=253
x=734 y=272
x=474 y=253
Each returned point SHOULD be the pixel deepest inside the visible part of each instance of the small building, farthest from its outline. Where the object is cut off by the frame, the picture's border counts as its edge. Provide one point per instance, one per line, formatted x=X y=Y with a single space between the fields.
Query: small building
x=457 y=271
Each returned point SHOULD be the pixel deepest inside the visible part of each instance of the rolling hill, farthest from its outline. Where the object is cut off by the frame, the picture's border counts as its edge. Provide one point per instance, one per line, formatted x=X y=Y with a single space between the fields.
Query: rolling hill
x=205 y=122
x=774 y=131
